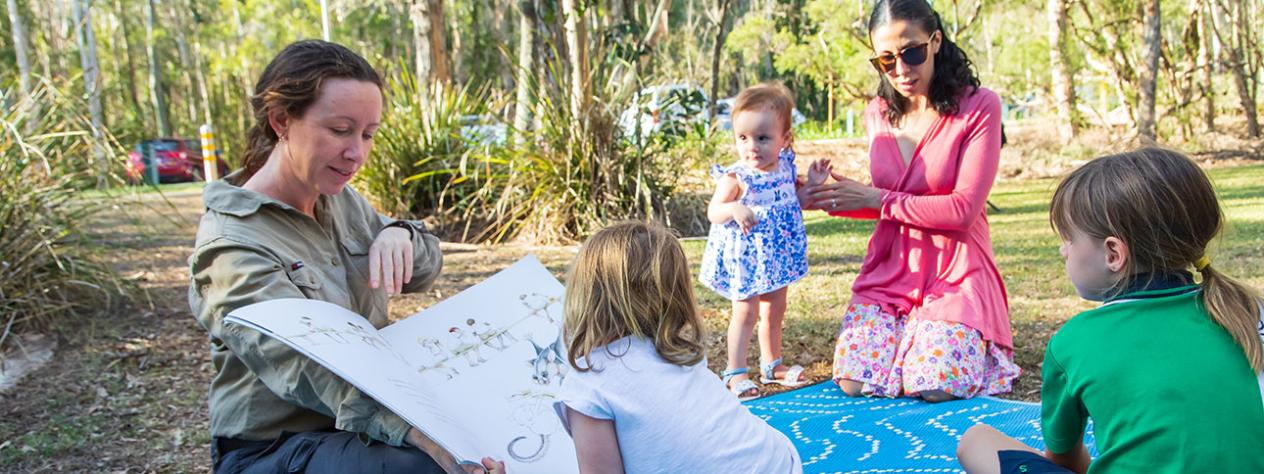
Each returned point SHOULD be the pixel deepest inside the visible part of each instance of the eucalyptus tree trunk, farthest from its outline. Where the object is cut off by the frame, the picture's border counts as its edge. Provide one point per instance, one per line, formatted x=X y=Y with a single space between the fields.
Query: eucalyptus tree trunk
x=1062 y=81
x=418 y=12
x=129 y=56
x=526 y=69
x=720 y=17
x=430 y=50
x=1236 y=60
x=577 y=53
x=200 y=73
x=456 y=71
x=82 y=11
x=501 y=30
x=156 y=93
x=1204 y=64
x=21 y=47
x=441 y=69
x=187 y=69
x=1148 y=72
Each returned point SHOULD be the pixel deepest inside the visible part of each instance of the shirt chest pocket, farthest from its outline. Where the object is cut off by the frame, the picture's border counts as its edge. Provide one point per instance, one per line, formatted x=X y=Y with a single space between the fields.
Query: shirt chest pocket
x=306 y=280
x=356 y=240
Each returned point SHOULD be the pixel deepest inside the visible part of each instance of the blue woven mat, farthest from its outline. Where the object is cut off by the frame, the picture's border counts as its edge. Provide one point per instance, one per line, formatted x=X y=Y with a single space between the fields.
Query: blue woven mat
x=839 y=434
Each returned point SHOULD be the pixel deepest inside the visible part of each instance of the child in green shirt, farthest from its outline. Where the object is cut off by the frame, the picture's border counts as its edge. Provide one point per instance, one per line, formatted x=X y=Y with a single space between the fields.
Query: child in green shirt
x=1166 y=368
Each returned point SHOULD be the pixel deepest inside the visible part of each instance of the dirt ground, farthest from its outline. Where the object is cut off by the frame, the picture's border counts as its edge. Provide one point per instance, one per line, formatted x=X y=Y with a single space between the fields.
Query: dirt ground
x=126 y=390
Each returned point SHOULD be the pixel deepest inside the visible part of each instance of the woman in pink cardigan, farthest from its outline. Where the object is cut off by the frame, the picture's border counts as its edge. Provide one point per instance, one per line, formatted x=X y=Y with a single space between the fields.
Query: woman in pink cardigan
x=928 y=315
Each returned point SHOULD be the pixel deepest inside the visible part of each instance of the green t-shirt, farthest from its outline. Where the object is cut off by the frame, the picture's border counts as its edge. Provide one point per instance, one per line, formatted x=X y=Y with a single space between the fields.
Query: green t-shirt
x=1167 y=388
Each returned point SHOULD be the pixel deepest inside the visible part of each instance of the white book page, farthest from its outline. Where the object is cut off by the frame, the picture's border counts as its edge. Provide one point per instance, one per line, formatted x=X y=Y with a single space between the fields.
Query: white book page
x=346 y=344
x=493 y=357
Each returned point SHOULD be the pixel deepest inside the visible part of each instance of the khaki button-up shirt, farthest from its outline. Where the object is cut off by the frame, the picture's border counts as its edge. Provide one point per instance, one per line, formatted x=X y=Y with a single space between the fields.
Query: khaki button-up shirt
x=253 y=248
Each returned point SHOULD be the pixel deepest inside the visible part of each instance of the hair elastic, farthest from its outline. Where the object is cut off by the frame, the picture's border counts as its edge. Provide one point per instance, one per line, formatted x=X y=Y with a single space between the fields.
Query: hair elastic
x=1202 y=262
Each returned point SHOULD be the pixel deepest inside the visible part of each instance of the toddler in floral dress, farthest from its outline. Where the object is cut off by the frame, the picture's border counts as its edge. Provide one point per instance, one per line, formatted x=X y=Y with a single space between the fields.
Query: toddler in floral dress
x=757 y=245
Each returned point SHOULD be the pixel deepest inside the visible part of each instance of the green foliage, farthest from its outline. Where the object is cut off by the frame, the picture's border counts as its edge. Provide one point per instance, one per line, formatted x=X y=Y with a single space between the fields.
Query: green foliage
x=578 y=174
x=835 y=54
x=48 y=266
x=422 y=166
x=1011 y=52
x=820 y=130
x=569 y=177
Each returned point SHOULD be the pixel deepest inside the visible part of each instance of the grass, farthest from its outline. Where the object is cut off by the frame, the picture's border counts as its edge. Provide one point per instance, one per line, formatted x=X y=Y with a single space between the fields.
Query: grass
x=1026 y=249
x=168 y=188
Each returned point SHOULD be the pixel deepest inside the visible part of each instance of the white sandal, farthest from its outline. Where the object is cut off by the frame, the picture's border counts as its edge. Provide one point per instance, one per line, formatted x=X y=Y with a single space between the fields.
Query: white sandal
x=742 y=386
x=790 y=379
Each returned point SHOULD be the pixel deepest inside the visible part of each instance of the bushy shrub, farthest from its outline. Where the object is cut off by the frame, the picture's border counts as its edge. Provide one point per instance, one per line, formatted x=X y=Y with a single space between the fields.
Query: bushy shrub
x=49 y=269
x=557 y=182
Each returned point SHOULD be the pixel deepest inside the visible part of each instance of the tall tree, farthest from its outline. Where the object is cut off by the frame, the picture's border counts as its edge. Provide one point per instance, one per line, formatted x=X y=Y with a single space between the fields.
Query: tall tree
x=1063 y=82
x=1237 y=46
x=438 y=43
x=21 y=47
x=430 y=49
x=1148 y=72
x=526 y=68
x=419 y=13
x=156 y=93
x=82 y=10
x=122 y=17
x=720 y=17
x=187 y=69
x=1204 y=64
x=577 y=51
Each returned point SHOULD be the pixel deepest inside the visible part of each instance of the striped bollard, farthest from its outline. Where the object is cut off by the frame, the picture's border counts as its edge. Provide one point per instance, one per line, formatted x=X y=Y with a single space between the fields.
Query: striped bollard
x=210 y=168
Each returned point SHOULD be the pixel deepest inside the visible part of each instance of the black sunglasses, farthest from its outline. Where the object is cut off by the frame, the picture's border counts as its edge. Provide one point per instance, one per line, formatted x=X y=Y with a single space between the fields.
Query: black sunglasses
x=912 y=56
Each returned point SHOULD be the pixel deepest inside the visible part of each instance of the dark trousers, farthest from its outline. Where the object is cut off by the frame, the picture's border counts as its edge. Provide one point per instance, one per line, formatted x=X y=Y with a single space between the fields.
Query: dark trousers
x=317 y=452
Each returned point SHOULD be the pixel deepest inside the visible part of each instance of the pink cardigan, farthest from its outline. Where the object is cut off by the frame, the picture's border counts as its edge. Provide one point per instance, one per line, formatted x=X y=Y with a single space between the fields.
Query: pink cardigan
x=930 y=256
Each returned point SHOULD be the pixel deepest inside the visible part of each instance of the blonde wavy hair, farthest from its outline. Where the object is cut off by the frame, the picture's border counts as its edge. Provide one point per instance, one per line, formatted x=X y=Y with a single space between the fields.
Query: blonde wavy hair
x=1162 y=205
x=632 y=279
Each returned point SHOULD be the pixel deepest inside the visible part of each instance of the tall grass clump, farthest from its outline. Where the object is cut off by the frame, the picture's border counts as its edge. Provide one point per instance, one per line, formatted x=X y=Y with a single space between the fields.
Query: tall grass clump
x=574 y=174
x=49 y=270
x=567 y=176
x=422 y=166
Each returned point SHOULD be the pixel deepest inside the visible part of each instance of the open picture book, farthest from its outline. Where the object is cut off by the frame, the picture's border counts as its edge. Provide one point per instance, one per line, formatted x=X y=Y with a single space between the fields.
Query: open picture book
x=477 y=373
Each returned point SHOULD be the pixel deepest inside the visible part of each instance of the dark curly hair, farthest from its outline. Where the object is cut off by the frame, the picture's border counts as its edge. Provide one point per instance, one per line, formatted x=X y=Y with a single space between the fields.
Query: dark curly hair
x=954 y=73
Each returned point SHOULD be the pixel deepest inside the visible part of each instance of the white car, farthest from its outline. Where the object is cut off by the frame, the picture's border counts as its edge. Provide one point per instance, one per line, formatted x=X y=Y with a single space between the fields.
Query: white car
x=724 y=114
x=664 y=108
x=483 y=130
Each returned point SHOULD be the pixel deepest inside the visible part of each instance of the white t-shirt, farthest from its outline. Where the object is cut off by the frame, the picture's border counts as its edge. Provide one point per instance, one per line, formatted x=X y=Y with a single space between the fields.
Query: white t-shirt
x=670 y=418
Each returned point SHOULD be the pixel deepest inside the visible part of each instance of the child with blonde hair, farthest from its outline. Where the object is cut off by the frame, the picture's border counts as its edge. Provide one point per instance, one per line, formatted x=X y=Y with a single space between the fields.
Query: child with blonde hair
x=641 y=398
x=1168 y=369
x=757 y=245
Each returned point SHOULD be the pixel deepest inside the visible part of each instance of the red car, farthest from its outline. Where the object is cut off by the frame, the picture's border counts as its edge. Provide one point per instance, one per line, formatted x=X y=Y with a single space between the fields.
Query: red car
x=178 y=160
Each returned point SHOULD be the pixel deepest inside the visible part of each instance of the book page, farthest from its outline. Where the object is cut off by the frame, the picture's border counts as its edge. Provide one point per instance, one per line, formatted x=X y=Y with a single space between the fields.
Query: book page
x=493 y=357
x=346 y=344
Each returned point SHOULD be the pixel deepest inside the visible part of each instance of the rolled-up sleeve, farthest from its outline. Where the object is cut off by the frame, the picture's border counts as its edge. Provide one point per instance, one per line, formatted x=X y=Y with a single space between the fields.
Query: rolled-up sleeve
x=229 y=276
x=427 y=259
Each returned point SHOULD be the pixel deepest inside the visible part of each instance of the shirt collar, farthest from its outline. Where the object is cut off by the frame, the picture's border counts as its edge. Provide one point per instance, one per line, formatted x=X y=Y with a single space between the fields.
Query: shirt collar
x=224 y=197
x=1156 y=284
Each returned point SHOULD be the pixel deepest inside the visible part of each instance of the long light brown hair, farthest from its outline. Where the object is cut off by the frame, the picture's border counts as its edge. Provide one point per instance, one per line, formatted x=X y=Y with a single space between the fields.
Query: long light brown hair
x=292 y=83
x=632 y=279
x=1162 y=205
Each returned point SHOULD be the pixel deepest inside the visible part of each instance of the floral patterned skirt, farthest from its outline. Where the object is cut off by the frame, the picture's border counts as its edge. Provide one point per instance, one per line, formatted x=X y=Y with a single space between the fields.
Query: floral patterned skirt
x=896 y=356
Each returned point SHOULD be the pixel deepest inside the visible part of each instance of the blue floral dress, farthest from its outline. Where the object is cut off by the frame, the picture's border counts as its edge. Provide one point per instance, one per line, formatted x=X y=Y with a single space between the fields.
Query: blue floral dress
x=774 y=254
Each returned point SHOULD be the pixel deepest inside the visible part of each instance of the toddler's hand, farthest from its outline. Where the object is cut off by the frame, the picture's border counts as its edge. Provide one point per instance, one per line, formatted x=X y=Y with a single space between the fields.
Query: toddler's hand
x=744 y=217
x=819 y=171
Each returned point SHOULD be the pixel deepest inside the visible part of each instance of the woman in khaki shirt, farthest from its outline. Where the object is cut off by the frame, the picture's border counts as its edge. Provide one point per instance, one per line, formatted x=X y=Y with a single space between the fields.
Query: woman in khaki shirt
x=288 y=226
